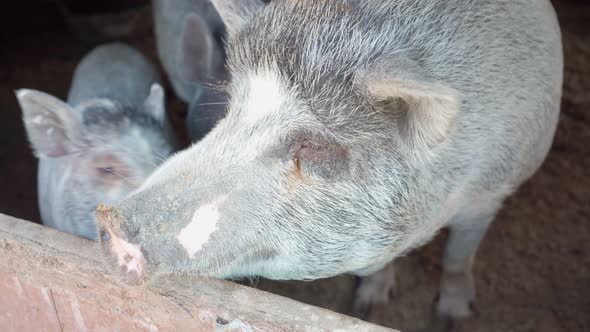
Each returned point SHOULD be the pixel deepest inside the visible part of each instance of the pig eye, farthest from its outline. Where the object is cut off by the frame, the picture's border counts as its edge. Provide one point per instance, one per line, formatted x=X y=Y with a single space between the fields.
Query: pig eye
x=109 y=167
x=307 y=150
x=320 y=158
x=107 y=175
x=306 y=144
x=106 y=170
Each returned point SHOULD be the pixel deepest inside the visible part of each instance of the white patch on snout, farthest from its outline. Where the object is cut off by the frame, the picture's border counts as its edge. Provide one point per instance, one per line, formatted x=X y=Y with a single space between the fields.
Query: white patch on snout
x=203 y=223
x=265 y=96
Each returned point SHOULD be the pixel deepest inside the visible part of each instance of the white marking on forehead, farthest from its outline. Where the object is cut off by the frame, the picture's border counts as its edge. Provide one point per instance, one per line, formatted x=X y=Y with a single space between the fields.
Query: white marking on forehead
x=265 y=96
x=203 y=223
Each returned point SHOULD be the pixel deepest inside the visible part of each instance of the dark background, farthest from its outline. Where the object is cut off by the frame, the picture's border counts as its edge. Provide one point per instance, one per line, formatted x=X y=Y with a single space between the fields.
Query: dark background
x=533 y=268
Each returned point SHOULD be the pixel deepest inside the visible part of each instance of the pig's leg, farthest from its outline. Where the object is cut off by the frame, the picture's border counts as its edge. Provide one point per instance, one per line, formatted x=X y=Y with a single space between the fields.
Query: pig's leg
x=376 y=288
x=457 y=289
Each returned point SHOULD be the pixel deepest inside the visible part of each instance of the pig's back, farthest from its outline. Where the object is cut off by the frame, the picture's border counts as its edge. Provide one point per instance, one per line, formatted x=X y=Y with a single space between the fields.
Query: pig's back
x=113 y=71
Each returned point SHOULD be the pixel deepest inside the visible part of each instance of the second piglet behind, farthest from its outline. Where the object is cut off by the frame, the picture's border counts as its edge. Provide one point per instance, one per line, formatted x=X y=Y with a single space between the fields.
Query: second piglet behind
x=100 y=145
x=188 y=38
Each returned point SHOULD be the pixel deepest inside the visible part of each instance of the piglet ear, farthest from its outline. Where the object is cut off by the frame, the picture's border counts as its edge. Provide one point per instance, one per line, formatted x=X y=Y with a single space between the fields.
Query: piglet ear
x=52 y=125
x=154 y=105
x=199 y=50
x=236 y=13
x=424 y=108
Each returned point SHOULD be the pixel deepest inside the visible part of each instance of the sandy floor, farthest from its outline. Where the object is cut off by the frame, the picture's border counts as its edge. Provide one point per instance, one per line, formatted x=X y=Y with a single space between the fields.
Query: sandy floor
x=533 y=269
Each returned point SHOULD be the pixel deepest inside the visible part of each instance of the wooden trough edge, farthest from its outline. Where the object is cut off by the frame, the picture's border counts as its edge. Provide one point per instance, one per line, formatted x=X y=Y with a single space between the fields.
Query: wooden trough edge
x=53 y=281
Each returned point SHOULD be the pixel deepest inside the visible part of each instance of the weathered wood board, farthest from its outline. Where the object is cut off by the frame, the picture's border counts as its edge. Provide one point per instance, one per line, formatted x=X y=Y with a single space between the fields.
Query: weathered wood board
x=52 y=281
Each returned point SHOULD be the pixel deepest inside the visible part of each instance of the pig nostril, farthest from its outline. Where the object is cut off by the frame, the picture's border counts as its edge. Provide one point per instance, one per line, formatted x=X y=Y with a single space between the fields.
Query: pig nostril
x=222 y=321
x=234 y=325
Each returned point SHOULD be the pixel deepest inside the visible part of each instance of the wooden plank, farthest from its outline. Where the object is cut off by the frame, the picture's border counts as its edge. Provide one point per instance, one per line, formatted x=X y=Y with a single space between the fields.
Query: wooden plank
x=52 y=281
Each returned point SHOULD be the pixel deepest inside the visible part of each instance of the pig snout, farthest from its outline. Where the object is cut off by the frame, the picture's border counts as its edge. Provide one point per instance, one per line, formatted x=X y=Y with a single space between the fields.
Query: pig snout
x=124 y=257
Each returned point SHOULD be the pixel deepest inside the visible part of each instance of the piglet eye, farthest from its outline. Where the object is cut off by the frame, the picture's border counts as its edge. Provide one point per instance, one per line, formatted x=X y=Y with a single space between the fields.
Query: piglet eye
x=106 y=170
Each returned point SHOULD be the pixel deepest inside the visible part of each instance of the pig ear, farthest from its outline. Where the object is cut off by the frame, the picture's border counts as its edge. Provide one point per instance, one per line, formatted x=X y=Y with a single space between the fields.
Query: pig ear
x=155 y=104
x=236 y=13
x=51 y=124
x=198 y=49
x=424 y=108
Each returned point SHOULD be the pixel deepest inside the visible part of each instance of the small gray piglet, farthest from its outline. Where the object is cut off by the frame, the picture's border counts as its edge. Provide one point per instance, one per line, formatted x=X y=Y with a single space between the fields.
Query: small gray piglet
x=356 y=130
x=103 y=143
x=188 y=39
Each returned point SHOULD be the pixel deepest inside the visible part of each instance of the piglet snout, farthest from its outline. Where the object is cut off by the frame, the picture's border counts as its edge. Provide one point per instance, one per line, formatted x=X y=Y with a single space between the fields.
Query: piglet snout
x=123 y=256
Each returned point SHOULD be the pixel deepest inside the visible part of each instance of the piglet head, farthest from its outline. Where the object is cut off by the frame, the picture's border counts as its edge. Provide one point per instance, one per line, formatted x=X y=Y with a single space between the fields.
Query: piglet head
x=104 y=148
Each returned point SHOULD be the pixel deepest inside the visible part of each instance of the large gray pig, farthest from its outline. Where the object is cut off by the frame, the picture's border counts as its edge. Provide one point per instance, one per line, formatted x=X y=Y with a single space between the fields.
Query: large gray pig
x=188 y=38
x=356 y=130
x=103 y=143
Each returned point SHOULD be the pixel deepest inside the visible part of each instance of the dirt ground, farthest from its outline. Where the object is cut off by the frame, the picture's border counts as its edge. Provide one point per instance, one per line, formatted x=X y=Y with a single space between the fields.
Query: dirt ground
x=533 y=268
